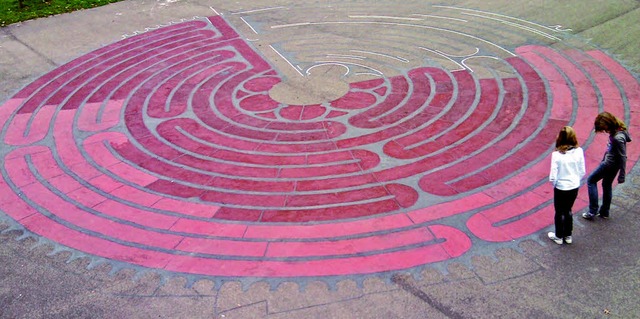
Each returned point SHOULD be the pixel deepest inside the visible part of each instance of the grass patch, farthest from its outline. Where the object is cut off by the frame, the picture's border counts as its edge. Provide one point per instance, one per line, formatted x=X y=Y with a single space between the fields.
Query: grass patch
x=12 y=11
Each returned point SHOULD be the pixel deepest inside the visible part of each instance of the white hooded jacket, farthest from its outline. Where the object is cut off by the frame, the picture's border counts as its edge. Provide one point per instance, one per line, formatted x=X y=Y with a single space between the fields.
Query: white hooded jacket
x=567 y=169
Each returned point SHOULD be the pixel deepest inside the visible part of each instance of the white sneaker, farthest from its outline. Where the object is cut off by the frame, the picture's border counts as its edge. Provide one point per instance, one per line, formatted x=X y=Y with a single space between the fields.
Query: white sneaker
x=568 y=240
x=553 y=237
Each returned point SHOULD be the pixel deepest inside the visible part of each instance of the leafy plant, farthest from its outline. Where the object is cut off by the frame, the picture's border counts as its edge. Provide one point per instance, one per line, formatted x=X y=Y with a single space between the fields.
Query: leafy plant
x=12 y=11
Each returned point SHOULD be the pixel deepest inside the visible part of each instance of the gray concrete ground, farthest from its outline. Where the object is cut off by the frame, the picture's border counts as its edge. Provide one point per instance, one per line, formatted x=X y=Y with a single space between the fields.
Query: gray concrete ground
x=598 y=276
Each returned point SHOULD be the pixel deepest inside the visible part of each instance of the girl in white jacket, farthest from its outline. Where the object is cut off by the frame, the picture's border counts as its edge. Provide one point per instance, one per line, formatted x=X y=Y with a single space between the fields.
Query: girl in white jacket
x=567 y=169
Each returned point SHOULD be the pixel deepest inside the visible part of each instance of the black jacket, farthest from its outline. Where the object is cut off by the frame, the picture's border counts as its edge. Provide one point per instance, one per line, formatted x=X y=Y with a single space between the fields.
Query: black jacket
x=616 y=156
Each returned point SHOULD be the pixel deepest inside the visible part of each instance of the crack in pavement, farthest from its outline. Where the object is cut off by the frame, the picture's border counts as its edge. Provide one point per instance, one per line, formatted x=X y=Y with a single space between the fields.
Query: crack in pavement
x=413 y=289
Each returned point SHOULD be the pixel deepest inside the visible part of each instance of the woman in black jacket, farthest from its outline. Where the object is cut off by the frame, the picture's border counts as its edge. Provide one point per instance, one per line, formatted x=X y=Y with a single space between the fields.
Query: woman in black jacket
x=614 y=163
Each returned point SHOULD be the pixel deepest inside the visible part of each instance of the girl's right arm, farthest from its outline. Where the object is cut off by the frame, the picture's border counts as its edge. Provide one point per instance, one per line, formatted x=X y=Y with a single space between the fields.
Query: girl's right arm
x=553 y=174
x=619 y=148
x=581 y=165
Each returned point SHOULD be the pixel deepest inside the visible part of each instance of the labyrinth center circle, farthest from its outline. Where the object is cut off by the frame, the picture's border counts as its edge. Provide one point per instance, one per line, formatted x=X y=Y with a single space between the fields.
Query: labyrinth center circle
x=322 y=85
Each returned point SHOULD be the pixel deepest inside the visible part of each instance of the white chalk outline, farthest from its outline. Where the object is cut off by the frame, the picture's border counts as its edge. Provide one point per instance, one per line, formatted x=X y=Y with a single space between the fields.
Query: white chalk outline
x=497 y=14
x=350 y=63
x=439 y=17
x=368 y=73
x=292 y=25
x=282 y=56
x=459 y=56
x=383 y=17
x=462 y=67
x=249 y=25
x=158 y=26
x=382 y=54
x=513 y=24
x=321 y=63
x=395 y=24
x=259 y=10
x=479 y=56
x=558 y=28
x=345 y=56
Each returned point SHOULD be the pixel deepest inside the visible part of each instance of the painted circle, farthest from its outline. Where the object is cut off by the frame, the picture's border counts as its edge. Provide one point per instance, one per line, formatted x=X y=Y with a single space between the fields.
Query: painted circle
x=166 y=150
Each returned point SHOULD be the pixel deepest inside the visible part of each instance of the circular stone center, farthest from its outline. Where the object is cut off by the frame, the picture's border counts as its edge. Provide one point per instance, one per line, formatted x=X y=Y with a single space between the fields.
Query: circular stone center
x=322 y=84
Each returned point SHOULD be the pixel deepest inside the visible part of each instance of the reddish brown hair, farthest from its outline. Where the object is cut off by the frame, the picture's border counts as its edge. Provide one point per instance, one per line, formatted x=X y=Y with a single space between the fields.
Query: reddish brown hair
x=607 y=122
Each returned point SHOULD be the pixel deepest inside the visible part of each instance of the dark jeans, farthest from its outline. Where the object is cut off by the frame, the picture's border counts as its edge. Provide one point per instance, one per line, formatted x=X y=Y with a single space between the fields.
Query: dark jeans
x=563 y=202
x=607 y=175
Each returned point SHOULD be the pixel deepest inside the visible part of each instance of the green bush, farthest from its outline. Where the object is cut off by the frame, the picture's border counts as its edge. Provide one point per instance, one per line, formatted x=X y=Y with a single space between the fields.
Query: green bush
x=12 y=11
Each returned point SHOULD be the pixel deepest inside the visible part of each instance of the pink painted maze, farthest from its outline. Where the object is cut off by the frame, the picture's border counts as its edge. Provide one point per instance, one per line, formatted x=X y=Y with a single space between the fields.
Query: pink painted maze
x=166 y=151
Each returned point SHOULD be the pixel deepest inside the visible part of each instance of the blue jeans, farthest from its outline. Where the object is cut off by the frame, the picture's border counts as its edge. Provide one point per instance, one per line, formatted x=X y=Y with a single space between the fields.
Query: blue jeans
x=607 y=175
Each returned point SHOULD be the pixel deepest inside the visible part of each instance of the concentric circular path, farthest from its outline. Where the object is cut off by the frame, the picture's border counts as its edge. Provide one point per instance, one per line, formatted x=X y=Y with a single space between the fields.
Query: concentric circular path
x=245 y=145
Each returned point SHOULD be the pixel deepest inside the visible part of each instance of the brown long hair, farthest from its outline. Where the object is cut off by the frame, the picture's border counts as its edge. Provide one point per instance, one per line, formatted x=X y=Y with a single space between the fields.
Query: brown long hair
x=607 y=122
x=566 y=139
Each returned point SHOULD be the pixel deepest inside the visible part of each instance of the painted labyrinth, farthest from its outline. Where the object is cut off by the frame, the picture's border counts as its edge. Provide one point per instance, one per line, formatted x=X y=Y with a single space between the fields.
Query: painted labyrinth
x=166 y=150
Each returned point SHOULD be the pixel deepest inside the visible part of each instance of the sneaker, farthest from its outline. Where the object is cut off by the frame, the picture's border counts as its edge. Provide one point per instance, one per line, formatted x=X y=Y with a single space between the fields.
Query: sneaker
x=553 y=237
x=568 y=240
x=603 y=216
x=588 y=216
